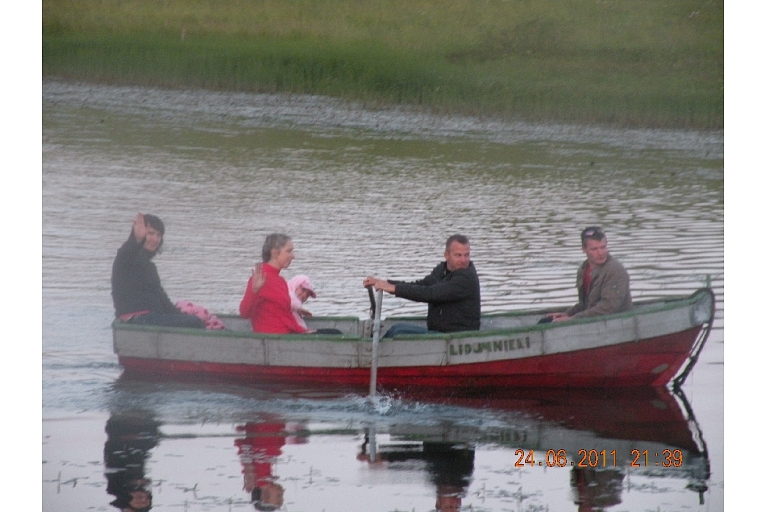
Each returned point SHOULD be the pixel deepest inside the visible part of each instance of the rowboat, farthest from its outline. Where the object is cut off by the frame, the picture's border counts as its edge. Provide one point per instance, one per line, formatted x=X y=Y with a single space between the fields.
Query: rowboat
x=656 y=343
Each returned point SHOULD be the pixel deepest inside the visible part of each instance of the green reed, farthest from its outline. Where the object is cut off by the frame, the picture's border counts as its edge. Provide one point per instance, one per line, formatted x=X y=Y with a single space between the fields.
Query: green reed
x=651 y=63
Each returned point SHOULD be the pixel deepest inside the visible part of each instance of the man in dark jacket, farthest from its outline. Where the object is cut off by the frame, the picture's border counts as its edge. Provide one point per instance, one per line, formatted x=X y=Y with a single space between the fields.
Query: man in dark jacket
x=137 y=293
x=452 y=291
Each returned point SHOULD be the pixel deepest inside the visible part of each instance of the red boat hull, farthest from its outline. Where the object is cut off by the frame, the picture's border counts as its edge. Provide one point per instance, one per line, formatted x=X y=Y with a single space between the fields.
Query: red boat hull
x=649 y=362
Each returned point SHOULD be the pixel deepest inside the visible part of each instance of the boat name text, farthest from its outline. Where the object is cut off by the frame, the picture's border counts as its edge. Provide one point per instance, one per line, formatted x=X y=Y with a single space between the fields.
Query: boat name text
x=490 y=346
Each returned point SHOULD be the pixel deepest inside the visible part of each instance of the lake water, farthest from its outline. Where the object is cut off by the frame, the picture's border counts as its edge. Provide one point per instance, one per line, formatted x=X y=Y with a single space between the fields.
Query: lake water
x=365 y=192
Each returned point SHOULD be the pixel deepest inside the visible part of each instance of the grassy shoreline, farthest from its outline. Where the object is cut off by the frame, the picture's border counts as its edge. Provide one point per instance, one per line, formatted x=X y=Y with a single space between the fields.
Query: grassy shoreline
x=651 y=64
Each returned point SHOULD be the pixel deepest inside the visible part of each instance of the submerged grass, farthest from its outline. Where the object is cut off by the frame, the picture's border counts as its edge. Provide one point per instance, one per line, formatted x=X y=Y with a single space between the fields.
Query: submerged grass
x=653 y=63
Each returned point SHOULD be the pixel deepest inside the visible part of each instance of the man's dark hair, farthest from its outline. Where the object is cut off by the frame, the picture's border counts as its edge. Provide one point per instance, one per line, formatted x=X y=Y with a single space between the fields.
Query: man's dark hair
x=456 y=238
x=591 y=233
x=273 y=241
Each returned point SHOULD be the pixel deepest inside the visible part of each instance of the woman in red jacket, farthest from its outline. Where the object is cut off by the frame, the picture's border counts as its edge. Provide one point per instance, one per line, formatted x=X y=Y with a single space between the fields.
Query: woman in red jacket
x=266 y=301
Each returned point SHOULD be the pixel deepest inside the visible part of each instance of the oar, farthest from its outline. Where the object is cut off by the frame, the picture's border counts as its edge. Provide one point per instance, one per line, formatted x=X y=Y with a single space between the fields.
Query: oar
x=373 y=302
x=375 y=345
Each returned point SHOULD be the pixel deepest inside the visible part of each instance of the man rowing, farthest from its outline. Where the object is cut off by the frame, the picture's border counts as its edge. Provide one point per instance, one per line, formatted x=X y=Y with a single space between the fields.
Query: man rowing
x=451 y=290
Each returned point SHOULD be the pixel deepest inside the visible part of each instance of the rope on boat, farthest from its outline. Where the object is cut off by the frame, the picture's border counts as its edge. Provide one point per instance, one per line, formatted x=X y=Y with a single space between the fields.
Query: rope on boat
x=700 y=340
x=698 y=484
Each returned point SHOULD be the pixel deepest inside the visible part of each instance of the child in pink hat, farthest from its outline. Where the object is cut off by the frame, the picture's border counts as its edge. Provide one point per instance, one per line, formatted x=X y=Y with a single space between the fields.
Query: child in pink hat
x=301 y=289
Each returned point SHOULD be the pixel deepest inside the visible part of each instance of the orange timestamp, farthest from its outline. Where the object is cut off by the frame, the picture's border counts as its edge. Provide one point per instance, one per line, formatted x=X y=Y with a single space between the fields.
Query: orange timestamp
x=600 y=459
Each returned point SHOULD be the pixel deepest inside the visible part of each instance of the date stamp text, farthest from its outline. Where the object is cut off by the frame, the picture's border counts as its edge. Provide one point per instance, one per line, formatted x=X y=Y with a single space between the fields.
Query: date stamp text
x=585 y=458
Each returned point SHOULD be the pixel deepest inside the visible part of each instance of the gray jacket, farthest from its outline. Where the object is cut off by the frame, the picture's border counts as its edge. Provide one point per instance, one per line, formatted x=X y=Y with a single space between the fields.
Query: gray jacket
x=608 y=293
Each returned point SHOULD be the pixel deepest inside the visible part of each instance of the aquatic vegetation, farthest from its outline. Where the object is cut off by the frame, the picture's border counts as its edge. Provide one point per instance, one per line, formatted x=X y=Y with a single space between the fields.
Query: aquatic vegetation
x=651 y=63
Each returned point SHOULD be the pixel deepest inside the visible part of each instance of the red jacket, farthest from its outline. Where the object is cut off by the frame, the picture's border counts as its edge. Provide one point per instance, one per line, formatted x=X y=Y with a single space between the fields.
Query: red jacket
x=270 y=308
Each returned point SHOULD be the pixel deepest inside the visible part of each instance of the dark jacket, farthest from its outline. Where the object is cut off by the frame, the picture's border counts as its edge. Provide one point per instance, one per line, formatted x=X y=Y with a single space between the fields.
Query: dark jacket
x=608 y=291
x=135 y=282
x=453 y=298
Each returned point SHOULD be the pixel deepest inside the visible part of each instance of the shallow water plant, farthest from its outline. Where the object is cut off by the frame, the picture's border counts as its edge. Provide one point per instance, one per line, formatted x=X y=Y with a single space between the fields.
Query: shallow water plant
x=634 y=63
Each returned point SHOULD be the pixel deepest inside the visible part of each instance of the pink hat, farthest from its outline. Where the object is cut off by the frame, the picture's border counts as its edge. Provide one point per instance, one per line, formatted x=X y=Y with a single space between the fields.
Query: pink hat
x=304 y=282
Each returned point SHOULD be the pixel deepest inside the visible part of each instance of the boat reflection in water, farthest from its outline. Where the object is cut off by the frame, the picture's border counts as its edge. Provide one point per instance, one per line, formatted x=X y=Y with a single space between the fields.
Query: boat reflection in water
x=606 y=434
x=605 y=438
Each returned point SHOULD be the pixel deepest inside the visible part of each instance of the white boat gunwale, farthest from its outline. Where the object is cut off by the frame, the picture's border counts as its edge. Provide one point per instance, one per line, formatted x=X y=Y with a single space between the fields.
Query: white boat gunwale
x=224 y=333
x=640 y=308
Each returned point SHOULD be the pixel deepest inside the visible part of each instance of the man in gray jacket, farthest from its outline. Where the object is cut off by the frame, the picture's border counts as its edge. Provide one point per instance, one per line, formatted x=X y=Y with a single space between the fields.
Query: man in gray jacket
x=602 y=282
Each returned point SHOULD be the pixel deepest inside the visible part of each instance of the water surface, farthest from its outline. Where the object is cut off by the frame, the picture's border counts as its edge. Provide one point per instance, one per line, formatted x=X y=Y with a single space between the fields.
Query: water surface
x=362 y=192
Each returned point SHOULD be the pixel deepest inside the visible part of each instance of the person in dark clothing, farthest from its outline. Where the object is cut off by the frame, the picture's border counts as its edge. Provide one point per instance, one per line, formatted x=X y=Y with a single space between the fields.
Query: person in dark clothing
x=137 y=294
x=452 y=291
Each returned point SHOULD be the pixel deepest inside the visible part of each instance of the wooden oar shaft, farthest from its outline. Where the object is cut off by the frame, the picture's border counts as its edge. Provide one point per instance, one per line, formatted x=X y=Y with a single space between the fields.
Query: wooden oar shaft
x=375 y=345
x=373 y=301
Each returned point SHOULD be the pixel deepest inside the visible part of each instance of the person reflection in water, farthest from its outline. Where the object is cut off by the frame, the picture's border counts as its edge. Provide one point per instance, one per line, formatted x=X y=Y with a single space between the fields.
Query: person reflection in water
x=129 y=439
x=450 y=467
x=258 y=451
x=596 y=490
